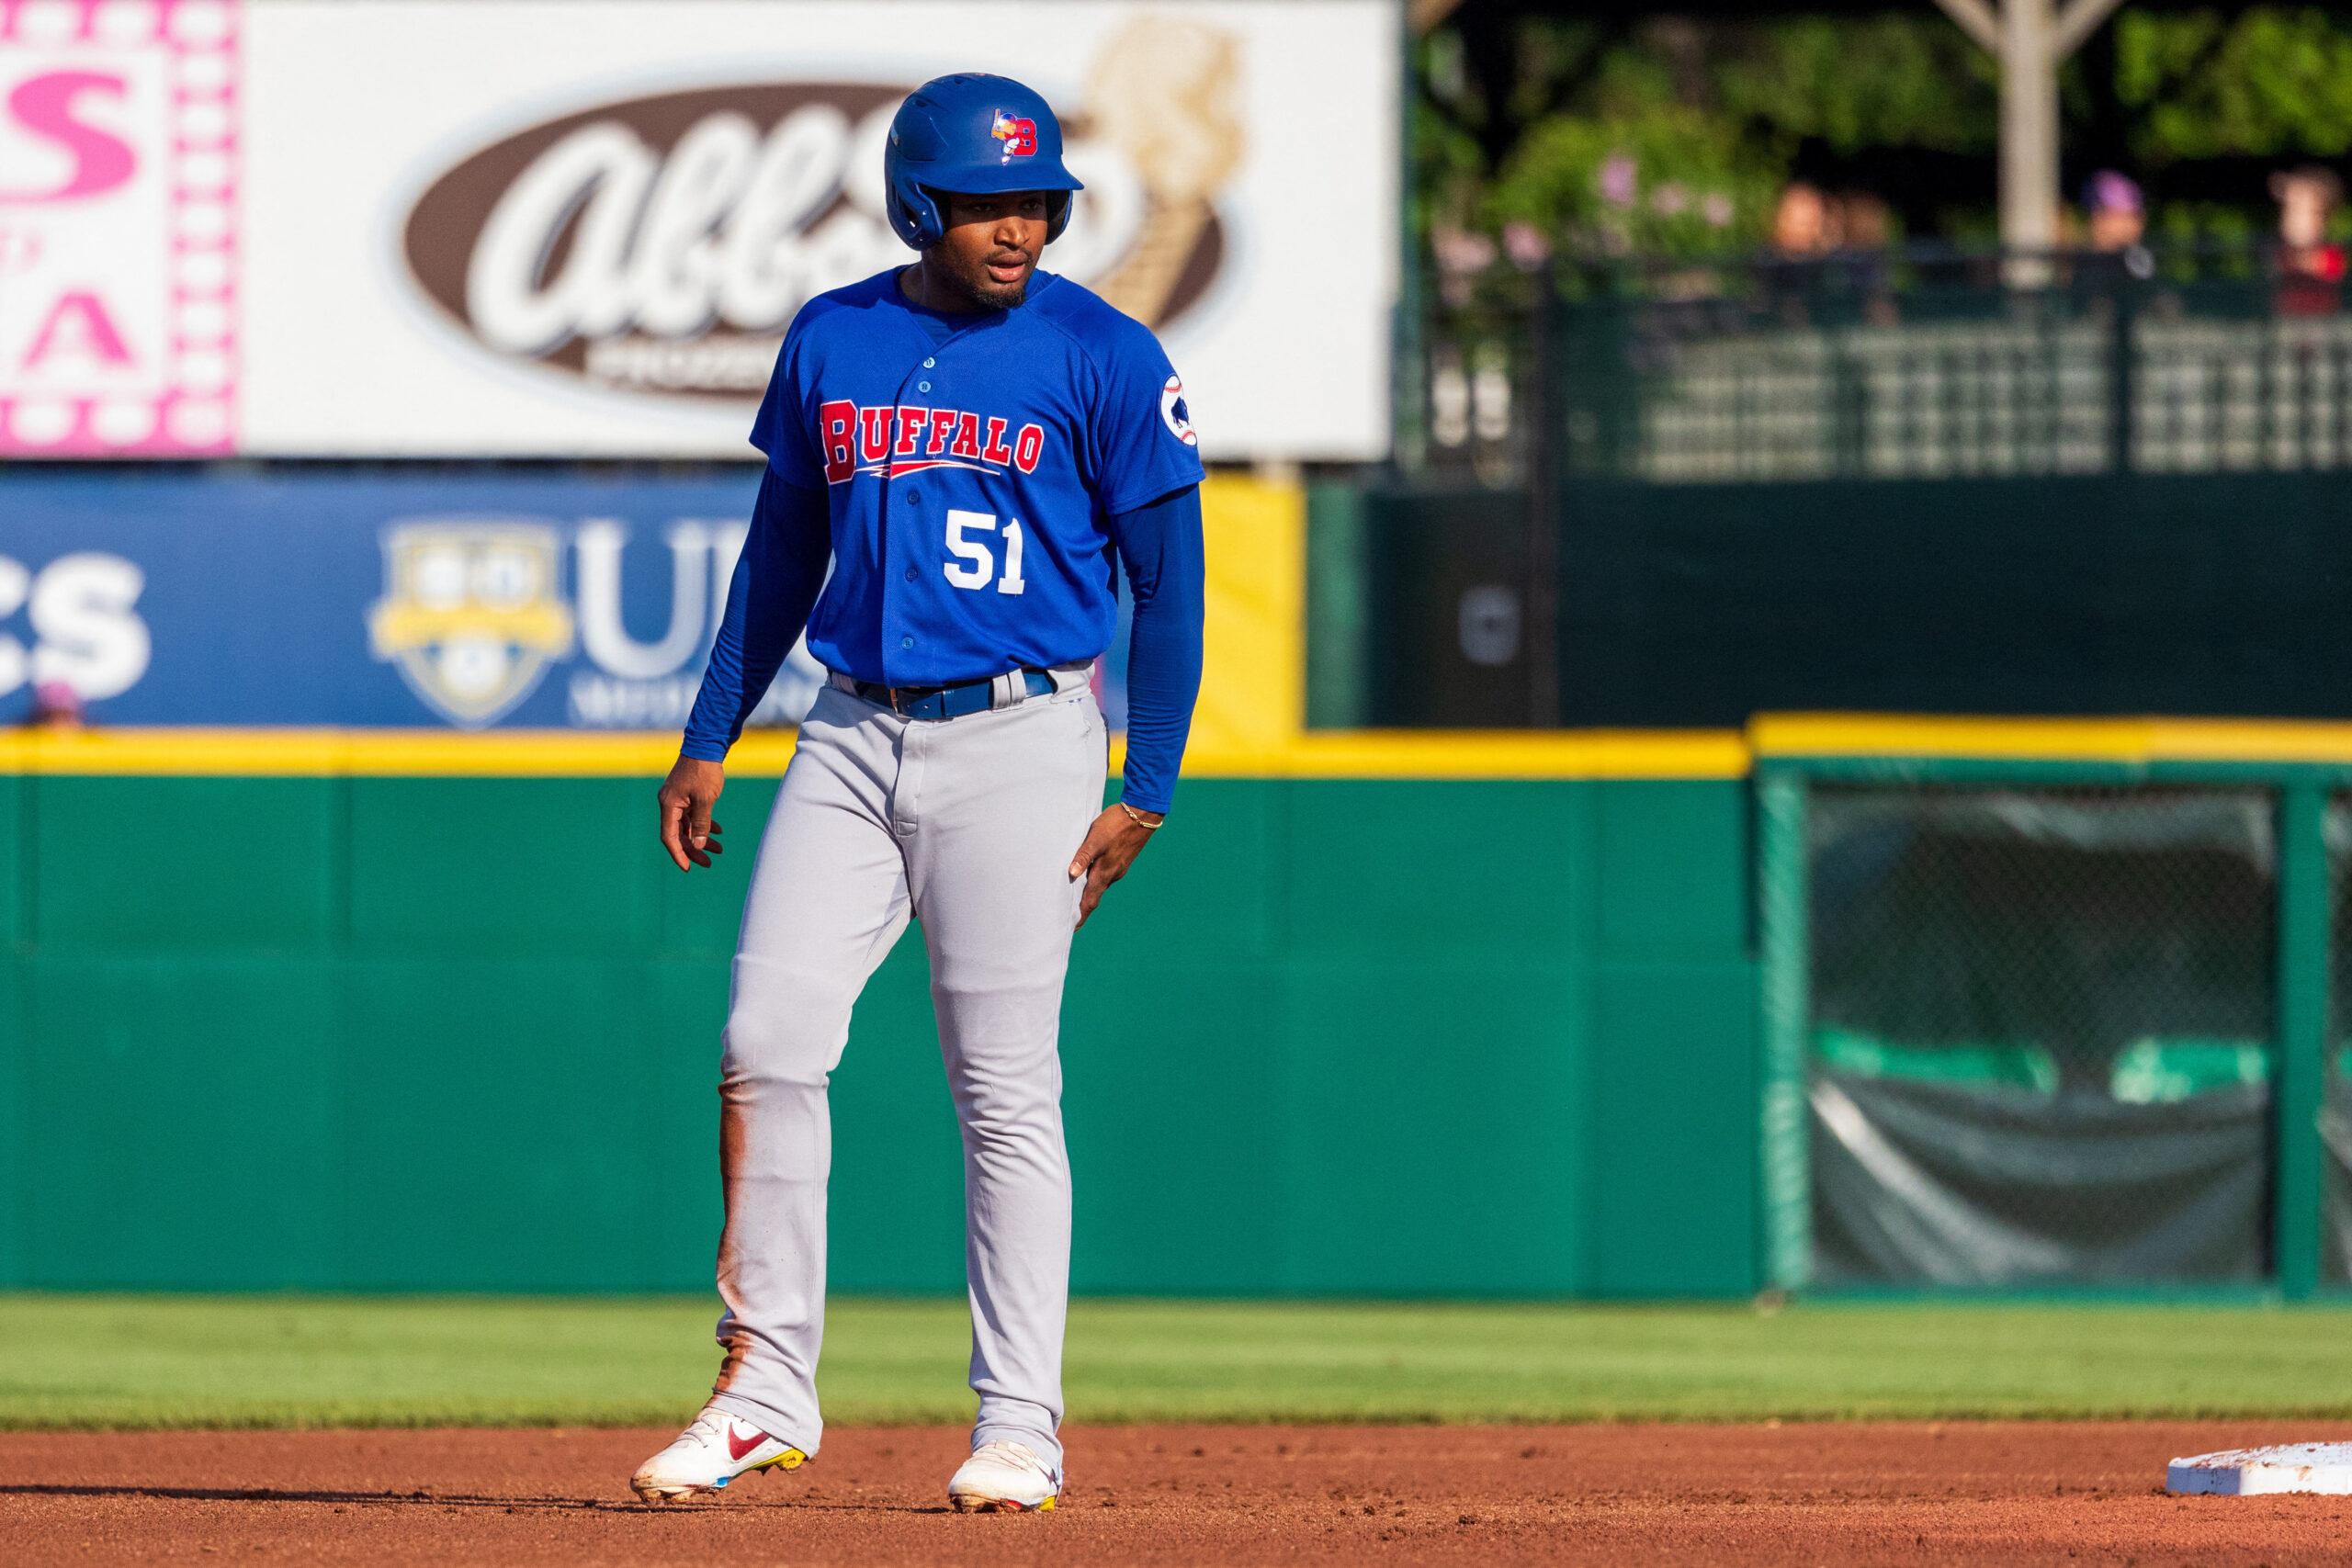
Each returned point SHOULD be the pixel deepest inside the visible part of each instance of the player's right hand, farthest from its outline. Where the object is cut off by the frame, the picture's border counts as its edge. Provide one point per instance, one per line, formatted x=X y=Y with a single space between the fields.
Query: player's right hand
x=688 y=832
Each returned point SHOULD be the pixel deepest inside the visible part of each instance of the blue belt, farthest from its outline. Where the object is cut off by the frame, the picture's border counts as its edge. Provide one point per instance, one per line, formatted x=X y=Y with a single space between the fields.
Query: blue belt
x=948 y=702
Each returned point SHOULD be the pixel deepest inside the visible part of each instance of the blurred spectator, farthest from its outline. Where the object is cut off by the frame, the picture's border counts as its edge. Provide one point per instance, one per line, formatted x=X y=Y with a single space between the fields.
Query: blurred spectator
x=2117 y=213
x=56 y=706
x=1792 y=269
x=2116 y=216
x=1801 y=223
x=1828 y=254
x=2311 y=269
x=1862 y=225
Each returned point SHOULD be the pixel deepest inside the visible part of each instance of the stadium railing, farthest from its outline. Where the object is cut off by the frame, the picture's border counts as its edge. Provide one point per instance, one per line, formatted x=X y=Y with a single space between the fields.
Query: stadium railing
x=1925 y=362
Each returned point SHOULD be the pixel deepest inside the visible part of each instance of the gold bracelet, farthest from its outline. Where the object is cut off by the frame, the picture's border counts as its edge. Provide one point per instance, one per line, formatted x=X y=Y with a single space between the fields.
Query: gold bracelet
x=1136 y=818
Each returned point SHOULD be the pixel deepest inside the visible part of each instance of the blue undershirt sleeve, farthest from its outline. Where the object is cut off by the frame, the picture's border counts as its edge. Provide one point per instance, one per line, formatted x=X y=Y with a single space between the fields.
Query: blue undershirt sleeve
x=1159 y=544
x=768 y=599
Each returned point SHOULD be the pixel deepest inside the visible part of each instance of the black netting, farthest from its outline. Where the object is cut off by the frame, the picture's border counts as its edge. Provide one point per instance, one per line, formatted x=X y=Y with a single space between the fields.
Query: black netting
x=2335 y=1109
x=2040 y=1034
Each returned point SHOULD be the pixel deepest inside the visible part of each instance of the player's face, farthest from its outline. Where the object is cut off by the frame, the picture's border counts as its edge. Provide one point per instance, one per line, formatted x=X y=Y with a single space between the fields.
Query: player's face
x=991 y=246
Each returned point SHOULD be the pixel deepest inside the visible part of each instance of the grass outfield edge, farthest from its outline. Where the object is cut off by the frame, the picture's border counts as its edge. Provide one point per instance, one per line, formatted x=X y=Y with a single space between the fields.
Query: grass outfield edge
x=458 y=1420
x=274 y=1362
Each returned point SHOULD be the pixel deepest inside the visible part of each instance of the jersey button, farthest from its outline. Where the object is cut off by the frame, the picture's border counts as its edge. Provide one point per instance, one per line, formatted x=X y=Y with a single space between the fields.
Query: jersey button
x=906 y=642
x=929 y=363
x=914 y=498
x=910 y=574
x=923 y=386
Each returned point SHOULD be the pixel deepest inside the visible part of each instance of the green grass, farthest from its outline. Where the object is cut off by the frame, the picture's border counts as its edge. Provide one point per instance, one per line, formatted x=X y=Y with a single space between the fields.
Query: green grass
x=292 y=1360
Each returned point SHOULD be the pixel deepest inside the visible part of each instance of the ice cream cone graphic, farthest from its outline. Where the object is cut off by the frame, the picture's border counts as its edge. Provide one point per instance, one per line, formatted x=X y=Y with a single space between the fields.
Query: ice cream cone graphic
x=1163 y=92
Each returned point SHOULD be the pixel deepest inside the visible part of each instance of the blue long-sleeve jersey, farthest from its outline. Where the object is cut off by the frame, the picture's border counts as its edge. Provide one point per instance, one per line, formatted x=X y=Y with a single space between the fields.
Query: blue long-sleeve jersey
x=783 y=566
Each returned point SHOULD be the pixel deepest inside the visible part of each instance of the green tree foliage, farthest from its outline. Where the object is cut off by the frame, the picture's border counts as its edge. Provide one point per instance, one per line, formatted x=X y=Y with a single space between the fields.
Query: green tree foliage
x=1707 y=120
x=1889 y=81
x=1662 y=181
x=1540 y=129
x=2271 y=82
x=1644 y=171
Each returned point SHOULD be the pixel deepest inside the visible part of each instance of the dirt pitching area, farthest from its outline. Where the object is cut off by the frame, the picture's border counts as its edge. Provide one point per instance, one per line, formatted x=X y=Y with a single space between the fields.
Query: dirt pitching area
x=1911 y=1494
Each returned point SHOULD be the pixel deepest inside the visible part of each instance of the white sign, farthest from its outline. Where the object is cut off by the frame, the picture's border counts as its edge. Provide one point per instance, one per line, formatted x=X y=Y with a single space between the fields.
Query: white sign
x=522 y=228
x=119 y=151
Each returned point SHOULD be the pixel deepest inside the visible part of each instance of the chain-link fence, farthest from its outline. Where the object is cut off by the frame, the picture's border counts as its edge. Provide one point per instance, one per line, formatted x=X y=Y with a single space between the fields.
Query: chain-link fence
x=2335 y=1111
x=2040 y=1035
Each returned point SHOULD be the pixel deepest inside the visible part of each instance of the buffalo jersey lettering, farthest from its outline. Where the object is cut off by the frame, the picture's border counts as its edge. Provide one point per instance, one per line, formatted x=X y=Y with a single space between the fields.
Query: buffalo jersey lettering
x=971 y=465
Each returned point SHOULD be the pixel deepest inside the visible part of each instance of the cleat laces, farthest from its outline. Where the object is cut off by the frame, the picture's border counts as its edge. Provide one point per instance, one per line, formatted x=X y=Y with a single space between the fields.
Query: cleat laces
x=1015 y=1454
x=706 y=1430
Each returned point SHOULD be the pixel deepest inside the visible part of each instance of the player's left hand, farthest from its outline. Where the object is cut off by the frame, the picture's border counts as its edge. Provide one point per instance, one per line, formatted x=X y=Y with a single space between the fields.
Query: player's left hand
x=1112 y=845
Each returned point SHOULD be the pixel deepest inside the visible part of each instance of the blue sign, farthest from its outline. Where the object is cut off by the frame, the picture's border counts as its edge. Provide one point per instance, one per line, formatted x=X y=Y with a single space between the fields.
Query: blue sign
x=509 y=598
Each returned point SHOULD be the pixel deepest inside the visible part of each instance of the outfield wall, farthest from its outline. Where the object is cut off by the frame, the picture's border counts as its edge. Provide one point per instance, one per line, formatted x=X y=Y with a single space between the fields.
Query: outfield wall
x=383 y=1004
x=325 y=1021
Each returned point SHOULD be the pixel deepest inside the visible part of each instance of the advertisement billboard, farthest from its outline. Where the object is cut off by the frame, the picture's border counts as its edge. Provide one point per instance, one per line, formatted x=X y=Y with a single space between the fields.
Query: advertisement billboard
x=120 y=168
x=540 y=229
x=406 y=599
x=417 y=597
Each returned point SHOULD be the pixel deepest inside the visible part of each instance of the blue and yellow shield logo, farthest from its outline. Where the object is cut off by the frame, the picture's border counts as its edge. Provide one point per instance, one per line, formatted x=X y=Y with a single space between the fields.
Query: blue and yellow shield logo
x=471 y=613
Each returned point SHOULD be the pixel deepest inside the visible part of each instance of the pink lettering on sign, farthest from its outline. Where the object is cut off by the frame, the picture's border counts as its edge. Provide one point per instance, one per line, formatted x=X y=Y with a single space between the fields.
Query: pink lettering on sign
x=119 y=163
x=43 y=108
x=79 y=325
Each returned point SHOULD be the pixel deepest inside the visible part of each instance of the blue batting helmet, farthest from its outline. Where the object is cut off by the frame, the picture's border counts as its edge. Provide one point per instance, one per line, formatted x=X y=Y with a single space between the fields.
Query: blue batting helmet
x=977 y=136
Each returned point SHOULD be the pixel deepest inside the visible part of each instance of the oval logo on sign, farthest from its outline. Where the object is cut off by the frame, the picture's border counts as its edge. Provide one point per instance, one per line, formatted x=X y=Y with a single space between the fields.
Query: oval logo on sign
x=661 y=244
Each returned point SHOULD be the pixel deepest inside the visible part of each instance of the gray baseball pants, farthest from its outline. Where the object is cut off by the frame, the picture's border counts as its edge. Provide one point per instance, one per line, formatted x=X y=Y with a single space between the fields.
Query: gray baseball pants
x=968 y=823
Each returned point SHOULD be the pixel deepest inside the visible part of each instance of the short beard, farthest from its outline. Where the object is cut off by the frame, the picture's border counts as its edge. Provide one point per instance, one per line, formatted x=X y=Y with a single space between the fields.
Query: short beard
x=985 y=295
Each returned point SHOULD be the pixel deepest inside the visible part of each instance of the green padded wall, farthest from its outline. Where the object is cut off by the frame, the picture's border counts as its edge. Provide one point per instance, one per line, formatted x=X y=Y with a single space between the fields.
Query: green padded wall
x=1364 y=1037
x=15 y=939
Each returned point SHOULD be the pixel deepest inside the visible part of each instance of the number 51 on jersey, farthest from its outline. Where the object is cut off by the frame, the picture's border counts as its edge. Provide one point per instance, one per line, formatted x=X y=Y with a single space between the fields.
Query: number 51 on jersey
x=975 y=564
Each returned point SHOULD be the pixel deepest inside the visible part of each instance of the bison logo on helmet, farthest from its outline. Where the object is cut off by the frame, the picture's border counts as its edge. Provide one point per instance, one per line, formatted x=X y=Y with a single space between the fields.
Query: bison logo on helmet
x=1018 y=133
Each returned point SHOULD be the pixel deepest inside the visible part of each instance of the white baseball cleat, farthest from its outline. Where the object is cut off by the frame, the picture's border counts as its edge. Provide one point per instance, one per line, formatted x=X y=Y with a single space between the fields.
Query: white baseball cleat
x=1002 y=1478
x=709 y=1454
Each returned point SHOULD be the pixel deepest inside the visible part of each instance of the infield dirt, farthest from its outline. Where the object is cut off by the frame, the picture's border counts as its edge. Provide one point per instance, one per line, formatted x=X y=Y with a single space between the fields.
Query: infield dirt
x=1950 y=1493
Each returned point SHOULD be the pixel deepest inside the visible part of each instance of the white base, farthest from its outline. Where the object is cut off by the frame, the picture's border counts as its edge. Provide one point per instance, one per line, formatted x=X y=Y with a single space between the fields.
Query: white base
x=2249 y=1473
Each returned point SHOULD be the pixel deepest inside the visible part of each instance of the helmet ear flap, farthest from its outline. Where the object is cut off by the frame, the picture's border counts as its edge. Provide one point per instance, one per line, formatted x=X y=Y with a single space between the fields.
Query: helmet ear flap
x=915 y=213
x=936 y=205
x=1057 y=206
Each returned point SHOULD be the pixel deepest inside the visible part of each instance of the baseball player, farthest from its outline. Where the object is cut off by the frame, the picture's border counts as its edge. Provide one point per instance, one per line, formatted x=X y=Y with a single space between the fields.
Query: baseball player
x=969 y=441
